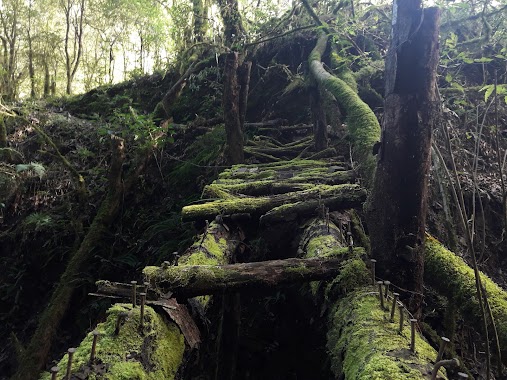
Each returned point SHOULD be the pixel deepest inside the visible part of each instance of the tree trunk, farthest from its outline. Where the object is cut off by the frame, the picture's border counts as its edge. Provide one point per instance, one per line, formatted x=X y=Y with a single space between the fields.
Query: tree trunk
x=398 y=204
x=244 y=83
x=234 y=147
x=319 y=119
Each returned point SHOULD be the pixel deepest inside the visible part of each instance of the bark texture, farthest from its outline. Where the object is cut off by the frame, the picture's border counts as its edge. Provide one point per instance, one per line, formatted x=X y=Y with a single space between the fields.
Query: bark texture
x=397 y=208
x=234 y=133
x=191 y=281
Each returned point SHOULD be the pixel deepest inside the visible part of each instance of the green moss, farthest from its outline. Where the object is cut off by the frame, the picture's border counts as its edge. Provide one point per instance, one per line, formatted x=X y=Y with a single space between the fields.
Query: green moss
x=452 y=277
x=155 y=354
x=209 y=249
x=364 y=345
x=261 y=205
x=353 y=274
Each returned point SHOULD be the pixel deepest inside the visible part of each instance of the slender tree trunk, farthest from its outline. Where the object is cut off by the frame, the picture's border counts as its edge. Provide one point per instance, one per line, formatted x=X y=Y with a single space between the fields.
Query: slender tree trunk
x=35 y=356
x=244 y=83
x=398 y=203
x=72 y=60
x=233 y=31
x=234 y=148
x=200 y=13
x=319 y=119
x=3 y=133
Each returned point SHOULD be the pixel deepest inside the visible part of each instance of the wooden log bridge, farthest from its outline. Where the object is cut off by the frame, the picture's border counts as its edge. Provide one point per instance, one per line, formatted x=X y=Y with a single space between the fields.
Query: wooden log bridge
x=195 y=280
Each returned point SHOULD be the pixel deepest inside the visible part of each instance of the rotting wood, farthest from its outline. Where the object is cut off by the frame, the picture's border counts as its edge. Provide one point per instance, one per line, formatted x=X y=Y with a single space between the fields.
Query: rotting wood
x=344 y=196
x=191 y=281
x=180 y=315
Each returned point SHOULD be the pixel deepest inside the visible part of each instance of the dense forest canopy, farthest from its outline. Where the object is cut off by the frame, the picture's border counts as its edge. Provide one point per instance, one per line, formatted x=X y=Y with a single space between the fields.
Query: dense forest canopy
x=207 y=148
x=104 y=42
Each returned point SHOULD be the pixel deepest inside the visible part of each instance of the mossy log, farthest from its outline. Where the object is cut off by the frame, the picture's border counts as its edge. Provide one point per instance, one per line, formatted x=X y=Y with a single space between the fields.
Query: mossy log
x=364 y=344
x=318 y=174
x=300 y=181
x=362 y=123
x=295 y=164
x=190 y=281
x=361 y=341
x=450 y=276
x=128 y=352
x=267 y=123
x=283 y=151
x=338 y=196
x=256 y=188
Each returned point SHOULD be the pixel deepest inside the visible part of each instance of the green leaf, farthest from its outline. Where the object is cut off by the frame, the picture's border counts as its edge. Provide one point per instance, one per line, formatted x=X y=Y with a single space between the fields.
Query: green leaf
x=448 y=78
x=32 y=167
x=483 y=60
x=489 y=90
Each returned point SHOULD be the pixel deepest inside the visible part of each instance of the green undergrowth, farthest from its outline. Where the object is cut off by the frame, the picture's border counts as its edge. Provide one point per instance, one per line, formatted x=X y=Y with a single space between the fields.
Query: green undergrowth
x=199 y=159
x=452 y=277
x=364 y=345
x=155 y=353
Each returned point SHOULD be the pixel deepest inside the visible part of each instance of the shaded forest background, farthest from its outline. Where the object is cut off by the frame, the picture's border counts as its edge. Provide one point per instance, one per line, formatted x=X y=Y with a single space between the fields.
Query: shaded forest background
x=53 y=187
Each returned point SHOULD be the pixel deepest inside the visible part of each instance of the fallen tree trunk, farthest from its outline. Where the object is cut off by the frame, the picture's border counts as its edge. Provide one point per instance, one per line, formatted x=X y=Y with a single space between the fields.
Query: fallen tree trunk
x=364 y=344
x=125 y=350
x=450 y=276
x=344 y=196
x=191 y=281
x=361 y=341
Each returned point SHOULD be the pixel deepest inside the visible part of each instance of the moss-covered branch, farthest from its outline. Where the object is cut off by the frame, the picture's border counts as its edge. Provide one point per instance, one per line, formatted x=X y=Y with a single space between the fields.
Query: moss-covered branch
x=339 y=195
x=191 y=281
x=362 y=123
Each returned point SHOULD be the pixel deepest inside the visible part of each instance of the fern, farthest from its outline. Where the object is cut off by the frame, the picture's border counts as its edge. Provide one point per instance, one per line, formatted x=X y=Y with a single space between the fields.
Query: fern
x=33 y=167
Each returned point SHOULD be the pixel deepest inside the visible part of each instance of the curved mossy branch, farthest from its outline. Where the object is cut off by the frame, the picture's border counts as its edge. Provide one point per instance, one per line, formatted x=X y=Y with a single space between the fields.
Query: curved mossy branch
x=363 y=126
x=449 y=275
x=151 y=354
